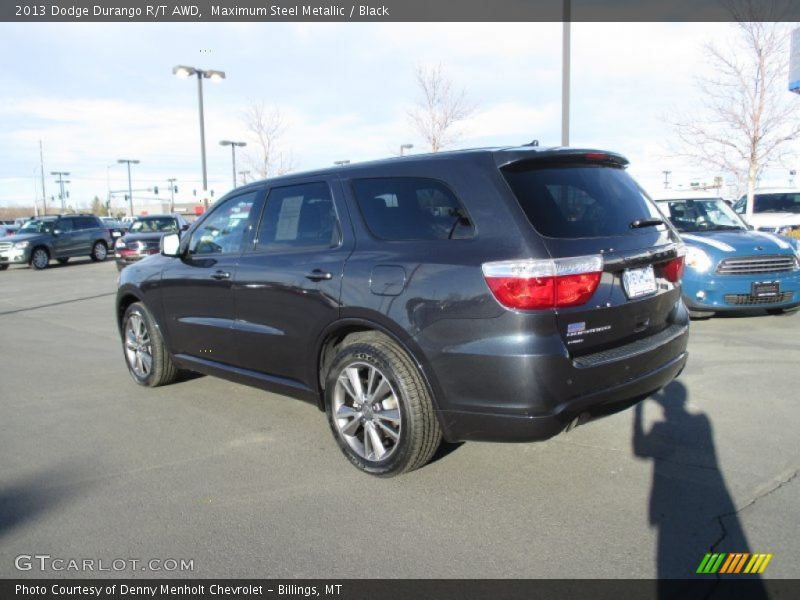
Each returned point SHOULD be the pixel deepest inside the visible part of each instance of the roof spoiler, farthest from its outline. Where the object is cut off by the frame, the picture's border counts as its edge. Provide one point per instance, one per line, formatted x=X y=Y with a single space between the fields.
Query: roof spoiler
x=514 y=156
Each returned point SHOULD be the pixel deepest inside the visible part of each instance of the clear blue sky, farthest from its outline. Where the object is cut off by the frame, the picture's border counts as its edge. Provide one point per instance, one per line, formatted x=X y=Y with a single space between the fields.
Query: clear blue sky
x=97 y=92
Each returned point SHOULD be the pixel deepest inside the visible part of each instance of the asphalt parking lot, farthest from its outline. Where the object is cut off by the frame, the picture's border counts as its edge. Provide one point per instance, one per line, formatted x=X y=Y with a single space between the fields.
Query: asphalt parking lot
x=250 y=484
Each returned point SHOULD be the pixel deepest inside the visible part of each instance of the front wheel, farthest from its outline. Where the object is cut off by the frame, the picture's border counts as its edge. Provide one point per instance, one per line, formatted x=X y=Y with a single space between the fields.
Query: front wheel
x=146 y=355
x=99 y=252
x=3 y=266
x=379 y=408
x=40 y=259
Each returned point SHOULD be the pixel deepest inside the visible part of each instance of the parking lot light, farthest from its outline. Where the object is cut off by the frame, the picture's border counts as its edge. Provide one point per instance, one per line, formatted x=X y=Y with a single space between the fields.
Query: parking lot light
x=183 y=72
x=233 y=146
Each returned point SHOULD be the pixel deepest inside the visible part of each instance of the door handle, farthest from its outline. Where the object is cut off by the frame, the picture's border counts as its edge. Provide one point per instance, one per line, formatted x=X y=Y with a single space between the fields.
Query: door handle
x=319 y=275
x=219 y=275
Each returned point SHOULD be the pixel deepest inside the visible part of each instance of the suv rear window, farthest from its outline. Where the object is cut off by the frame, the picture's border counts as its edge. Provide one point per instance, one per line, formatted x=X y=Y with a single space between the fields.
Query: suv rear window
x=570 y=200
x=411 y=208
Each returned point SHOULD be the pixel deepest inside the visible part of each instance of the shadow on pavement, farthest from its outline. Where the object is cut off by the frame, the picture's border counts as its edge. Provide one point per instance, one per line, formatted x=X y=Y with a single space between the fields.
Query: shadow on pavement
x=26 y=500
x=689 y=501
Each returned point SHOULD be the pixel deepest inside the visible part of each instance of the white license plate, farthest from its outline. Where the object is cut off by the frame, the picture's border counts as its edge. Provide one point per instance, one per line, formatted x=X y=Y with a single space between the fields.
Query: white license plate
x=116 y=234
x=639 y=282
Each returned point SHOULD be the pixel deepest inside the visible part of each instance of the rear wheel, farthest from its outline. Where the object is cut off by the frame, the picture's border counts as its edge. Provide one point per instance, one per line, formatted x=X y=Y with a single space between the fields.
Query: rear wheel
x=379 y=408
x=40 y=258
x=3 y=266
x=99 y=251
x=146 y=355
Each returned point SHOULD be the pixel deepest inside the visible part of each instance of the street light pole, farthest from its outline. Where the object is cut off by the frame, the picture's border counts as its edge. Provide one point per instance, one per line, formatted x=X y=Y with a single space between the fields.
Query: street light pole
x=565 y=64
x=184 y=71
x=666 y=178
x=233 y=146
x=405 y=147
x=243 y=175
x=130 y=187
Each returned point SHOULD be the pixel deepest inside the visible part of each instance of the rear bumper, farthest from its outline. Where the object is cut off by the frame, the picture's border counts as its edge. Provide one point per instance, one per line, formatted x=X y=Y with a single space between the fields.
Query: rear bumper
x=462 y=426
x=524 y=386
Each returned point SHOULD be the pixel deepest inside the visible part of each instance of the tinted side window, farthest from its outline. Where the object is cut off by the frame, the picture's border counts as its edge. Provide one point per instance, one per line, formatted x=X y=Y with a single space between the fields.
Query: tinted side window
x=574 y=200
x=411 y=208
x=299 y=217
x=86 y=223
x=224 y=229
x=65 y=225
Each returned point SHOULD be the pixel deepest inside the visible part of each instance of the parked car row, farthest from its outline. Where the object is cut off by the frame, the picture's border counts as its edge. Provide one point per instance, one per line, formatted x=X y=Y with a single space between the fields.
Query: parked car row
x=62 y=237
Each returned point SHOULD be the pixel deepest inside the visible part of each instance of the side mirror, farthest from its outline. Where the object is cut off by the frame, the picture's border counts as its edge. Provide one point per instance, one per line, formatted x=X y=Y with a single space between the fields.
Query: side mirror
x=185 y=227
x=171 y=244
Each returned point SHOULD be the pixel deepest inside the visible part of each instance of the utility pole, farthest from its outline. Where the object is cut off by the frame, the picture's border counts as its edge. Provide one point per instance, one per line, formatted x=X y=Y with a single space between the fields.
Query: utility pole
x=61 y=182
x=666 y=178
x=41 y=166
x=130 y=187
x=172 y=181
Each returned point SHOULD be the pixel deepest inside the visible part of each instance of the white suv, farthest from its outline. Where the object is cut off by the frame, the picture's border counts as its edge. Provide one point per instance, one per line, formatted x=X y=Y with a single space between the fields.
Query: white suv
x=774 y=210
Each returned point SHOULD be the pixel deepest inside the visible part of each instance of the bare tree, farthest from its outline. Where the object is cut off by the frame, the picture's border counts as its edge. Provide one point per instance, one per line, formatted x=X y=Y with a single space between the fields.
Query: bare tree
x=266 y=126
x=747 y=116
x=440 y=109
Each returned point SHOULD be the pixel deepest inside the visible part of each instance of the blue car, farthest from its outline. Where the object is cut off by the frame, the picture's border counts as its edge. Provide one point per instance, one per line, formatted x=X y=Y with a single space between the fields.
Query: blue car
x=729 y=266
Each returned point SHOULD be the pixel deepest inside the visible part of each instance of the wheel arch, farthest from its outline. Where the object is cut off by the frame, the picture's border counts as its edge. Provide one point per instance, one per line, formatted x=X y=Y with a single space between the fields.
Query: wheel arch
x=334 y=335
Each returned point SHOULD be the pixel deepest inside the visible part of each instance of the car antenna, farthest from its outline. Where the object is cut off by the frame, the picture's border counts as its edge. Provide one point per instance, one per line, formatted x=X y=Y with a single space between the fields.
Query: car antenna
x=533 y=143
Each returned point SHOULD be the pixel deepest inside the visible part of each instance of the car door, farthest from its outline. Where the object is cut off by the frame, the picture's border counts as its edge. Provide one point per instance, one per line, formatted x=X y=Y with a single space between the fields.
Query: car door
x=288 y=284
x=63 y=241
x=82 y=236
x=196 y=289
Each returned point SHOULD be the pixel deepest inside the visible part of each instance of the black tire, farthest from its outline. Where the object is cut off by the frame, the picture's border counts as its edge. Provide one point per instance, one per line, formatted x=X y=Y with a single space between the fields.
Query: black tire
x=419 y=434
x=162 y=370
x=99 y=252
x=3 y=266
x=700 y=314
x=62 y=261
x=40 y=258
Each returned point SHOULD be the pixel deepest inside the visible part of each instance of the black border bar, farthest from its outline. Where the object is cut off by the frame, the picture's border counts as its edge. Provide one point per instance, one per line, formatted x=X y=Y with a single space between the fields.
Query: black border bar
x=125 y=11
x=706 y=587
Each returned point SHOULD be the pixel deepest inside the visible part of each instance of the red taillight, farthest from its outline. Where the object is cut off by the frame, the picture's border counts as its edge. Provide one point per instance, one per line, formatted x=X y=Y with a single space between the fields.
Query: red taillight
x=539 y=284
x=673 y=270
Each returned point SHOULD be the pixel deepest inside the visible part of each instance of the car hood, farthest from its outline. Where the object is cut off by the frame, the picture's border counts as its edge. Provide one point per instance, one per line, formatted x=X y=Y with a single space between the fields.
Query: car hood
x=142 y=237
x=25 y=237
x=740 y=242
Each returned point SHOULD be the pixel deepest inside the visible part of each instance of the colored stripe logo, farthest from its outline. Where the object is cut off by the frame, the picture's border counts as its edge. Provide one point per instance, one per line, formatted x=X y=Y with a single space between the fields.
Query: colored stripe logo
x=733 y=563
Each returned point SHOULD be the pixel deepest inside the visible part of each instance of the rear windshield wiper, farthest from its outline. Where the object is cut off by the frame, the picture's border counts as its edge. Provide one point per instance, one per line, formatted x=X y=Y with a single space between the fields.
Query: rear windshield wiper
x=646 y=222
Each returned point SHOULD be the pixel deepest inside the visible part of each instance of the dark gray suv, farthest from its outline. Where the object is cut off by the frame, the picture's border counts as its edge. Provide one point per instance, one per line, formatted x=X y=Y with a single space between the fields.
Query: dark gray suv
x=60 y=237
x=498 y=294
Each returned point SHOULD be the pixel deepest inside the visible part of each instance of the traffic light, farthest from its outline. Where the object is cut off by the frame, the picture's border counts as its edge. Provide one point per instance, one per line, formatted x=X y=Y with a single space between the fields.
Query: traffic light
x=155 y=190
x=175 y=188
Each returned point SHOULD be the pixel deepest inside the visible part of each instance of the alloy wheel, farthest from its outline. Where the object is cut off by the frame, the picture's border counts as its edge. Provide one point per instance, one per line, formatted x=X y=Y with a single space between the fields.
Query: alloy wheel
x=138 y=349
x=366 y=411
